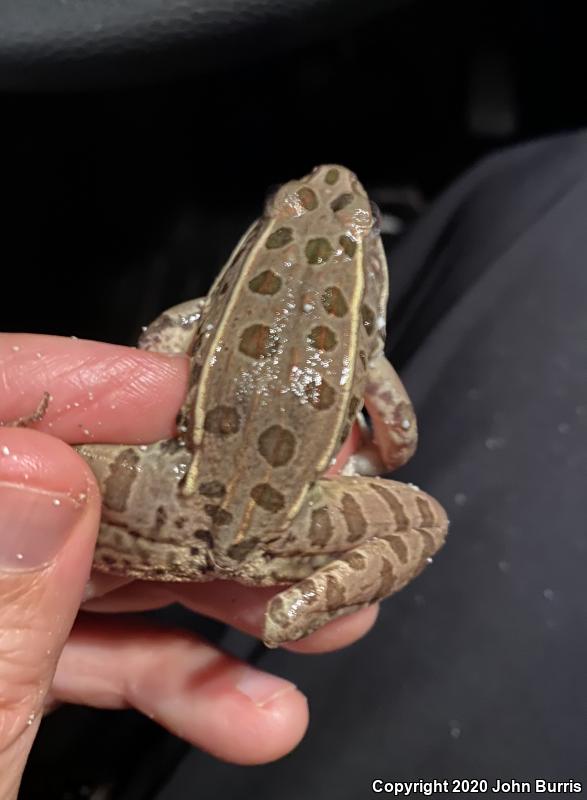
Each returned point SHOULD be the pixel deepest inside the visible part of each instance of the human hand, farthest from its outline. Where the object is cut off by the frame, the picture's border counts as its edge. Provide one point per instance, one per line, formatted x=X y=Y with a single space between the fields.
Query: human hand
x=49 y=516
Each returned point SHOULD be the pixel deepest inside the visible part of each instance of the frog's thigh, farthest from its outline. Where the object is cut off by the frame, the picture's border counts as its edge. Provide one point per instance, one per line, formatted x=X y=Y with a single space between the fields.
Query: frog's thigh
x=342 y=512
x=173 y=330
x=120 y=551
x=402 y=538
x=148 y=530
x=395 y=430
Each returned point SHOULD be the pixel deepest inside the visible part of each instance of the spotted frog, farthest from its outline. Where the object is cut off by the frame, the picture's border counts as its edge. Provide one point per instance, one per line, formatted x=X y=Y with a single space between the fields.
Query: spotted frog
x=284 y=351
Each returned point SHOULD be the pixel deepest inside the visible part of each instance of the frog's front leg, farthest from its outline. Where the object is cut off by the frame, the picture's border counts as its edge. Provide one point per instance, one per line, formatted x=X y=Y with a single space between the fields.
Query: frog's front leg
x=395 y=430
x=173 y=330
x=384 y=533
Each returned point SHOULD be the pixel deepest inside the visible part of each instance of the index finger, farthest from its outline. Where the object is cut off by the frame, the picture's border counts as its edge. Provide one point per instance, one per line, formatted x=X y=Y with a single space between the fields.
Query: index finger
x=99 y=392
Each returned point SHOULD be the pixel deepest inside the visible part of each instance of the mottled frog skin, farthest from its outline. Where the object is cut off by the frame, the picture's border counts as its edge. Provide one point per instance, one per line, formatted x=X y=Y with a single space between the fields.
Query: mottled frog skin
x=284 y=351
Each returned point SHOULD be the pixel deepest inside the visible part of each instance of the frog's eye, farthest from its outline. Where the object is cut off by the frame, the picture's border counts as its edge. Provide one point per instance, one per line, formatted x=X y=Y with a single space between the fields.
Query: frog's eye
x=376 y=214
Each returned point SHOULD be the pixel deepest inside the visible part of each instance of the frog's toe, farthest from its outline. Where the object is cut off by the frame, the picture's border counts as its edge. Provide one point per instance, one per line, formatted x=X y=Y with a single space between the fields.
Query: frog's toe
x=297 y=612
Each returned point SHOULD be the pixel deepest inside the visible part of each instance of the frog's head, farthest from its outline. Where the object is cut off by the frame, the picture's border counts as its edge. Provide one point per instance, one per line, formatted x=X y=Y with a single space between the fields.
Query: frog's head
x=331 y=192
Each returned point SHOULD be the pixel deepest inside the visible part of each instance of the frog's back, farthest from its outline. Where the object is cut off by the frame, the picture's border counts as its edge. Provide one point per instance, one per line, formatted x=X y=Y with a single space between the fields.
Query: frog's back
x=280 y=358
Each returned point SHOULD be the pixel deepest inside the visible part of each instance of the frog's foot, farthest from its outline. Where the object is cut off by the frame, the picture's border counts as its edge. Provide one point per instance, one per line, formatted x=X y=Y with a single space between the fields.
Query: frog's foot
x=395 y=431
x=371 y=570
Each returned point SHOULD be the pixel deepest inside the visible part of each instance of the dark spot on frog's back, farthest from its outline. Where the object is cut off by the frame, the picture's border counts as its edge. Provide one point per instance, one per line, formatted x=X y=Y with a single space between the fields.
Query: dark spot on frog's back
x=268 y=498
x=308 y=198
x=342 y=201
x=318 y=251
x=277 y=445
x=222 y=421
x=332 y=176
x=348 y=245
x=322 y=338
x=334 y=302
x=256 y=341
x=266 y=282
x=279 y=238
x=320 y=396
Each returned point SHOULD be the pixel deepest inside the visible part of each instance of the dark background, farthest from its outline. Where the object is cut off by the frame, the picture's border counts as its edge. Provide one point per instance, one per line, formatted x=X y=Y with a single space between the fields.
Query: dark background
x=125 y=197
x=131 y=166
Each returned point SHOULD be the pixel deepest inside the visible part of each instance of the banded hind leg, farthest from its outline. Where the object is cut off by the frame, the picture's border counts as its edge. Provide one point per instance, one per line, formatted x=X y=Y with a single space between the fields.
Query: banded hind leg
x=376 y=535
x=380 y=534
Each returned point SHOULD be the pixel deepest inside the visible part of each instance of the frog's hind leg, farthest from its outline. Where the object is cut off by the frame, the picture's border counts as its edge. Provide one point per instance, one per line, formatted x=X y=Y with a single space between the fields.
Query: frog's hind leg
x=398 y=533
x=148 y=530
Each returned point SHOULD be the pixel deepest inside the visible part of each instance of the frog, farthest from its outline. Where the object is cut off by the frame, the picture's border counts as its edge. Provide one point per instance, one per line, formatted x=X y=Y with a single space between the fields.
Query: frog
x=286 y=351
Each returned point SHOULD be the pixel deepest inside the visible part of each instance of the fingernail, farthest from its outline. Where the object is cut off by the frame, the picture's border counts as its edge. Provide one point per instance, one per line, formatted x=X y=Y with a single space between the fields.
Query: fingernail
x=34 y=526
x=262 y=688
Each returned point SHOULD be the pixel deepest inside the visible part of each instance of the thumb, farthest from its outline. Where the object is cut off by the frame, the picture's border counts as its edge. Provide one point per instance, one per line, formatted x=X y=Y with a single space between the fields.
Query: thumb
x=49 y=514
